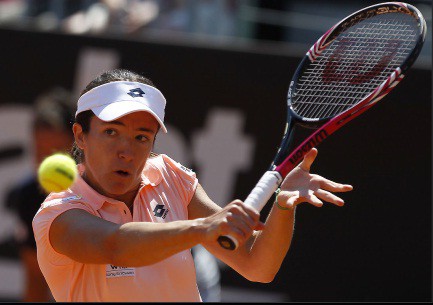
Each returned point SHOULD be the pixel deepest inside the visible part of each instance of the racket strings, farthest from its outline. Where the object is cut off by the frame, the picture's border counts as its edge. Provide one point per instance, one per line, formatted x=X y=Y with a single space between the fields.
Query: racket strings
x=353 y=62
x=345 y=78
x=354 y=65
x=392 y=52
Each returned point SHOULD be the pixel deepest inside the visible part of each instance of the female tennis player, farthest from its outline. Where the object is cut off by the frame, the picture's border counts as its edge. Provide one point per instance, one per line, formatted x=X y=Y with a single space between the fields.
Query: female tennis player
x=123 y=232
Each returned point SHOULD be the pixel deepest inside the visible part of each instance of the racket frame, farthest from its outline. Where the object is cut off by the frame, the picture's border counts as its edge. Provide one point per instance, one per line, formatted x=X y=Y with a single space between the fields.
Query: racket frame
x=283 y=162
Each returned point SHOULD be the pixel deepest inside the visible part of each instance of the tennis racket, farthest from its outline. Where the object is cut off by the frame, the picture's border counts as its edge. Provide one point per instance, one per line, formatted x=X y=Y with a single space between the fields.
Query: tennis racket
x=347 y=71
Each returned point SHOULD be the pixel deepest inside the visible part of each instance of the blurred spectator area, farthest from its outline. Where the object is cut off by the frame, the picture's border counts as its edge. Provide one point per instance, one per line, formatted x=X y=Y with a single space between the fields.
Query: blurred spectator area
x=296 y=24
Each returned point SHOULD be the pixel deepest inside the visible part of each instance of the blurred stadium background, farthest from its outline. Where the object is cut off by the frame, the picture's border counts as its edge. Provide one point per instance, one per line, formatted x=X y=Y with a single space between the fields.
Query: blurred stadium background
x=224 y=67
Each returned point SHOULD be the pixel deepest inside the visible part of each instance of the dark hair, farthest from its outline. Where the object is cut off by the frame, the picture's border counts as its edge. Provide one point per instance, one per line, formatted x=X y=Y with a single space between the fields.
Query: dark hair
x=117 y=75
x=54 y=109
x=84 y=118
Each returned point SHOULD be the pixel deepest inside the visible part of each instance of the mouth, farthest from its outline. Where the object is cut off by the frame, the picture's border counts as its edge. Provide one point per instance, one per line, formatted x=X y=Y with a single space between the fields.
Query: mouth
x=122 y=173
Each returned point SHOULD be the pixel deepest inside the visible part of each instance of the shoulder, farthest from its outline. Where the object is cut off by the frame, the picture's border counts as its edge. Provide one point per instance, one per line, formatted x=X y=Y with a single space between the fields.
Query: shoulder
x=57 y=203
x=165 y=163
x=171 y=175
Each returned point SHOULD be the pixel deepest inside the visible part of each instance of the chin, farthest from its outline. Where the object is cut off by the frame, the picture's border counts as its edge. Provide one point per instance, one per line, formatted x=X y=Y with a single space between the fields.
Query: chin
x=119 y=188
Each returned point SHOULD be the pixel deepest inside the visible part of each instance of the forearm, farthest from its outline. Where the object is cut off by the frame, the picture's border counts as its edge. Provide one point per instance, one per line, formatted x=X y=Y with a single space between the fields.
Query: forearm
x=143 y=243
x=260 y=258
x=271 y=244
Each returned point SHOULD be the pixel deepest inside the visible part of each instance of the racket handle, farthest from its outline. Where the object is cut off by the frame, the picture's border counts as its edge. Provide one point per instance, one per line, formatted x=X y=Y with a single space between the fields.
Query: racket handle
x=263 y=190
x=257 y=199
x=228 y=242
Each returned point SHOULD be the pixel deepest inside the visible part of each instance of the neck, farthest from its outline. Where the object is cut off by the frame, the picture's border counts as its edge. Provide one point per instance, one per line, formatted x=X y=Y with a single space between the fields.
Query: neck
x=127 y=198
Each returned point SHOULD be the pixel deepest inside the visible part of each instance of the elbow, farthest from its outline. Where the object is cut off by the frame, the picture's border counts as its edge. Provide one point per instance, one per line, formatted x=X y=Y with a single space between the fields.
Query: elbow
x=115 y=250
x=261 y=276
x=120 y=252
x=264 y=279
x=116 y=258
x=268 y=279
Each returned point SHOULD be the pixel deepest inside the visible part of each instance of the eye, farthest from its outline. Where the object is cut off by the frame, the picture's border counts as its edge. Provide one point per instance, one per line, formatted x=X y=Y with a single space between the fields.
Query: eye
x=142 y=138
x=110 y=132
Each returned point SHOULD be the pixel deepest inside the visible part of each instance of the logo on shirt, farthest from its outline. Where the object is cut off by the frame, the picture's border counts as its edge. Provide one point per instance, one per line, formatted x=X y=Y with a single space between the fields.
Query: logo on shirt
x=137 y=92
x=76 y=197
x=185 y=169
x=160 y=211
x=117 y=271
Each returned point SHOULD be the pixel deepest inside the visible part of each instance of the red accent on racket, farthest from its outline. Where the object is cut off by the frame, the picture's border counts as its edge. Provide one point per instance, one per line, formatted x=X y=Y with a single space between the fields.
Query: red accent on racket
x=348 y=70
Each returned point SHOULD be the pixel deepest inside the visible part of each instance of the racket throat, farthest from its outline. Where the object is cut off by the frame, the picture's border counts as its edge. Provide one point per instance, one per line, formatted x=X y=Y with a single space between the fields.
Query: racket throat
x=286 y=144
x=296 y=144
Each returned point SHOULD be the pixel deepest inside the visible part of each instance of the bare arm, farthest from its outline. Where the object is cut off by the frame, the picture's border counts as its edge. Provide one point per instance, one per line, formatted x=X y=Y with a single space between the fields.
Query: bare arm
x=260 y=258
x=89 y=239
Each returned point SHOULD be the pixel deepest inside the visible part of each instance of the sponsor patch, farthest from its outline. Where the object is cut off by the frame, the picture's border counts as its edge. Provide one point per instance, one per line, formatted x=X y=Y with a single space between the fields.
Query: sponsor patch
x=117 y=271
x=185 y=169
x=75 y=197
x=160 y=210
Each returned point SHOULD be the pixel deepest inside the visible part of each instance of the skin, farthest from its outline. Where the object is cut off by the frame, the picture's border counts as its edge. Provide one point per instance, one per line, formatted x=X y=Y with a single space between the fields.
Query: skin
x=109 y=147
x=130 y=140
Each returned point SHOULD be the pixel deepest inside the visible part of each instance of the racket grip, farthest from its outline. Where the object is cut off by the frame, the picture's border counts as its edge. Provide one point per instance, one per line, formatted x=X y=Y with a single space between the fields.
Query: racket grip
x=257 y=199
x=263 y=190
x=228 y=242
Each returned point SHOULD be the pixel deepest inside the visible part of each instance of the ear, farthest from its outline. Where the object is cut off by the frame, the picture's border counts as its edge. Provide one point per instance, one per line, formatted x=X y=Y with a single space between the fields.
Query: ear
x=78 y=135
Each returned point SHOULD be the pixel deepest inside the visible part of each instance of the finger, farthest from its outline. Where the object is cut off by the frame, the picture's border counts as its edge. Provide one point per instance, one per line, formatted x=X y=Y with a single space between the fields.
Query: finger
x=260 y=226
x=246 y=216
x=288 y=198
x=228 y=228
x=329 y=197
x=285 y=196
x=235 y=232
x=334 y=186
x=308 y=159
x=239 y=224
x=292 y=201
x=250 y=211
x=314 y=200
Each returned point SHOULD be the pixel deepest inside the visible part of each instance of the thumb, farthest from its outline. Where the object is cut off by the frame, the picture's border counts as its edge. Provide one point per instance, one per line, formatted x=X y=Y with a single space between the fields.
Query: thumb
x=260 y=226
x=309 y=158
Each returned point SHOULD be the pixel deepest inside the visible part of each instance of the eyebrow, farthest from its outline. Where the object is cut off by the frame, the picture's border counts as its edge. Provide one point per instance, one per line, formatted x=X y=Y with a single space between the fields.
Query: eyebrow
x=122 y=124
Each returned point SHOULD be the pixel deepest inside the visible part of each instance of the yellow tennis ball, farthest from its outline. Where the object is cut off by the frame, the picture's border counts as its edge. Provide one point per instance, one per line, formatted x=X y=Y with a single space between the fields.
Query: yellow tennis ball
x=57 y=173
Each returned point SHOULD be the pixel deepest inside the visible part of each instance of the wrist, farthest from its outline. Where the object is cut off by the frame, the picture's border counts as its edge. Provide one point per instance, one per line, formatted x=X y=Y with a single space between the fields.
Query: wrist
x=198 y=229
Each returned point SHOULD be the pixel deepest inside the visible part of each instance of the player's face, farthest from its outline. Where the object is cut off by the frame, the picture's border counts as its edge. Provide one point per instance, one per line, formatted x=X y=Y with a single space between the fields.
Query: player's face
x=116 y=152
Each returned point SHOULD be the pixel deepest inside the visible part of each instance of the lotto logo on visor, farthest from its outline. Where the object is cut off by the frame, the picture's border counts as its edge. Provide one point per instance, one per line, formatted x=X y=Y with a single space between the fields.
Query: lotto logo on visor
x=115 y=99
x=137 y=92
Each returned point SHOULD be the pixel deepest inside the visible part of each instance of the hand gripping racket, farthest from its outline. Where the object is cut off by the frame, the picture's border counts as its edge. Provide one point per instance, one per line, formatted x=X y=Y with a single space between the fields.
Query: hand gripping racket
x=348 y=70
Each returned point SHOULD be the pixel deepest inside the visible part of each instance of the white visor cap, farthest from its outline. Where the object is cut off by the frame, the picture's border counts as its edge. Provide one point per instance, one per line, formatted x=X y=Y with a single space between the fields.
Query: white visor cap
x=113 y=100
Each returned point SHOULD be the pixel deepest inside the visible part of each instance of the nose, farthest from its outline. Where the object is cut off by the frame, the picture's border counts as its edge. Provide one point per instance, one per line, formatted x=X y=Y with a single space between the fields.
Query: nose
x=125 y=150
